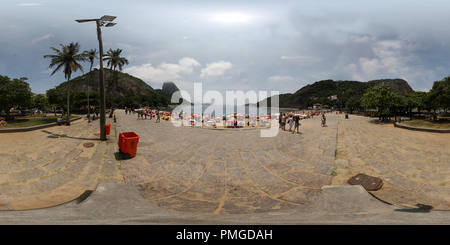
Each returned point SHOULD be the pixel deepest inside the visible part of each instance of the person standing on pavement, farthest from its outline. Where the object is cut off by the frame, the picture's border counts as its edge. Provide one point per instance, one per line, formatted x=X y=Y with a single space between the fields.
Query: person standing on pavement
x=290 y=121
x=283 y=121
x=296 y=122
x=279 y=119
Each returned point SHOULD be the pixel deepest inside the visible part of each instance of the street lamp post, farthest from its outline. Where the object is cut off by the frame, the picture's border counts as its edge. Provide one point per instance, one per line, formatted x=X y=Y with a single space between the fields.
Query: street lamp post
x=100 y=22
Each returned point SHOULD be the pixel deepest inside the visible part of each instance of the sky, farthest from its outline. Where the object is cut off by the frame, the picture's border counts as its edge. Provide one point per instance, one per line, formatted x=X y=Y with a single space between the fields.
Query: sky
x=227 y=45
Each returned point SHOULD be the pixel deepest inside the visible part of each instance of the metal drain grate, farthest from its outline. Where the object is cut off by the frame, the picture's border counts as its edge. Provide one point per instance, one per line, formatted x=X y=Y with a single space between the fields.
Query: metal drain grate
x=88 y=145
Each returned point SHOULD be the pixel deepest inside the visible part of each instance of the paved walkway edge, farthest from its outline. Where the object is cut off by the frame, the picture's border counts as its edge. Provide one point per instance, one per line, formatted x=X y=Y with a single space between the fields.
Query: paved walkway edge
x=422 y=129
x=120 y=203
x=26 y=129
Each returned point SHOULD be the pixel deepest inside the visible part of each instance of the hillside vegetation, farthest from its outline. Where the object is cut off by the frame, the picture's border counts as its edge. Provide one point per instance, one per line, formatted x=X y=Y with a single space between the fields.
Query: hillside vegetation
x=130 y=91
x=321 y=92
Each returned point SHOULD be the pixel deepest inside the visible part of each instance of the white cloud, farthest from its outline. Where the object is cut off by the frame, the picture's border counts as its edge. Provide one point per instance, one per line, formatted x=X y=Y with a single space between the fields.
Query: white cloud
x=164 y=71
x=48 y=70
x=215 y=69
x=42 y=38
x=303 y=58
x=277 y=79
x=125 y=46
x=356 y=39
x=389 y=58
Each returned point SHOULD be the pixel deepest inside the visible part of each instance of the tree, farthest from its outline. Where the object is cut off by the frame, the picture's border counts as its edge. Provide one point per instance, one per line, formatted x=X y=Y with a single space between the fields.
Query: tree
x=338 y=86
x=430 y=103
x=398 y=103
x=40 y=101
x=114 y=62
x=353 y=103
x=56 y=97
x=410 y=103
x=440 y=93
x=67 y=59
x=347 y=94
x=13 y=93
x=419 y=99
x=378 y=97
x=90 y=55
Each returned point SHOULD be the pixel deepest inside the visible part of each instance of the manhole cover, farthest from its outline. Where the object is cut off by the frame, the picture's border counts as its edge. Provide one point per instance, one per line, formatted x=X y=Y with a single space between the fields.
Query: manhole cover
x=369 y=183
x=88 y=145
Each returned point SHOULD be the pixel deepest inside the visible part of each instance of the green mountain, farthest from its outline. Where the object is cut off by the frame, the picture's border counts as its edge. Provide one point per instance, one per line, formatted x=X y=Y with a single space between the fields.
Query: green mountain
x=130 y=91
x=324 y=92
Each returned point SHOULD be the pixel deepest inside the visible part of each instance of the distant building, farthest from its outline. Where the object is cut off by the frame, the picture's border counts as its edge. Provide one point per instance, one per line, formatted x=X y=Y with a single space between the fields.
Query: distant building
x=317 y=106
x=332 y=97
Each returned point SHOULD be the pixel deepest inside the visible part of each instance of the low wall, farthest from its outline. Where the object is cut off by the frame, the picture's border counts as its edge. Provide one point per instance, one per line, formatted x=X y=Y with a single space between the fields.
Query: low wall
x=26 y=129
x=422 y=129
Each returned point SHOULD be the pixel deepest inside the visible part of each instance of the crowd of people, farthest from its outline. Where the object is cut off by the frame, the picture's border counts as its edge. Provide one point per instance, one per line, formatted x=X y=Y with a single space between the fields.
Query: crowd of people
x=228 y=120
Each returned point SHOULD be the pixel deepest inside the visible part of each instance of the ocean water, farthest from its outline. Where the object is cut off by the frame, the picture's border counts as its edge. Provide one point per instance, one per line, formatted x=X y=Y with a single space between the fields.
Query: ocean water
x=214 y=109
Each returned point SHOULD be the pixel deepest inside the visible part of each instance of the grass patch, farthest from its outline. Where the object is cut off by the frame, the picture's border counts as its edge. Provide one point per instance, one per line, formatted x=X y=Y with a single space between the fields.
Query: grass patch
x=21 y=123
x=440 y=124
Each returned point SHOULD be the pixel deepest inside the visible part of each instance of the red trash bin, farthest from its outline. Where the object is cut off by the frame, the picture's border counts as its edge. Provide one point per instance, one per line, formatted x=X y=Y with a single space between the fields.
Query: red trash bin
x=128 y=142
x=108 y=128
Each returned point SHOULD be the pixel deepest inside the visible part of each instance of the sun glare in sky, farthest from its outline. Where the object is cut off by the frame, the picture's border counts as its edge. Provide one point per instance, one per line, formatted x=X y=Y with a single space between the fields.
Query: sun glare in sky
x=232 y=18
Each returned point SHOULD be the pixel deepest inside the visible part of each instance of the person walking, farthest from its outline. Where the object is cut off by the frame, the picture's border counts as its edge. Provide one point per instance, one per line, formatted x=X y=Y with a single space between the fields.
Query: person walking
x=279 y=119
x=296 y=123
x=290 y=121
x=283 y=121
x=157 y=116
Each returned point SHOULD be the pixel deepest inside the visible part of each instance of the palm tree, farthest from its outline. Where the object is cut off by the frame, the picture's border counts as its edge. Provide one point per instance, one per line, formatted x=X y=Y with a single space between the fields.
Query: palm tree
x=114 y=62
x=91 y=55
x=67 y=59
x=338 y=87
x=348 y=93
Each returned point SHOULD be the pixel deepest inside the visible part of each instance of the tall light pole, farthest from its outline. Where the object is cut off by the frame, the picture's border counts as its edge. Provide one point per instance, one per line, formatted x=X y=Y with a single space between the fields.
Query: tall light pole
x=101 y=22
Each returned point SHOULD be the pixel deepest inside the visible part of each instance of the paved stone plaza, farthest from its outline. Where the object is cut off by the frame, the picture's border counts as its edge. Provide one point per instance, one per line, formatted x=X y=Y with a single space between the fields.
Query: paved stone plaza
x=198 y=170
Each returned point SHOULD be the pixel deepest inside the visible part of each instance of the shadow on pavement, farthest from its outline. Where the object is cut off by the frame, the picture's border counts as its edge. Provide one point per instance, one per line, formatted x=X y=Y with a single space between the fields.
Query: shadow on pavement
x=121 y=156
x=421 y=208
x=53 y=135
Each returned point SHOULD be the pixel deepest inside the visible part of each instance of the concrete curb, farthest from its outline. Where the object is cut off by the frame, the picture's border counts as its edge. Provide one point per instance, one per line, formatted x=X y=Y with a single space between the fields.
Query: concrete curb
x=422 y=129
x=121 y=203
x=26 y=129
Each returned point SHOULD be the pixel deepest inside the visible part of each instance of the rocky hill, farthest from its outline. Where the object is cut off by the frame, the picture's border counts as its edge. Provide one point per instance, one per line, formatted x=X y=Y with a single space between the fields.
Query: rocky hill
x=130 y=91
x=323 y=92
x=168 y=88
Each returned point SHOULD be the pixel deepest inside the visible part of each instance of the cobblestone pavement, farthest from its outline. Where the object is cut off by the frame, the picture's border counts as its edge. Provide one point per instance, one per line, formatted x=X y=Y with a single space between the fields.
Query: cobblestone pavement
x=224 y=171
x=229 y=171
x=50 y=166
x=414 y=165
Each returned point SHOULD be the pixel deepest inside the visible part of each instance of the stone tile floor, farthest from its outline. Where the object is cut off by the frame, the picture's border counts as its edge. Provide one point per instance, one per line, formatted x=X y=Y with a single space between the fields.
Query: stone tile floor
x=201 y=170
